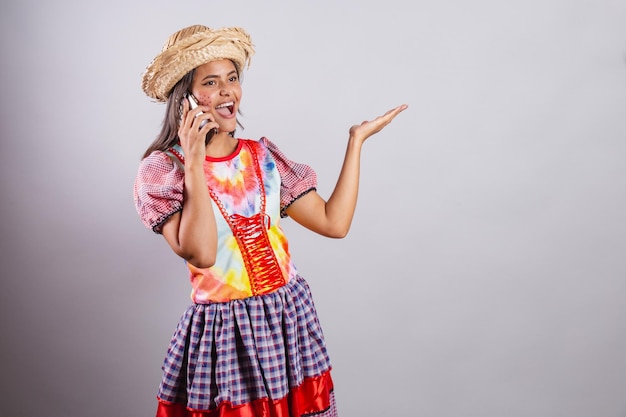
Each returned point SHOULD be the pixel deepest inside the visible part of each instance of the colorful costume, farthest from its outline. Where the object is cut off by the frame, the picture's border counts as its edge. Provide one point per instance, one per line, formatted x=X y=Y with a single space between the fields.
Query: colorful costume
x=251 y=343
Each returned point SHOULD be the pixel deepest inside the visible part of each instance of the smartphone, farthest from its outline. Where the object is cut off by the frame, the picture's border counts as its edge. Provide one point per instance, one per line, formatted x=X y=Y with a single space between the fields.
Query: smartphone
x=193 y=103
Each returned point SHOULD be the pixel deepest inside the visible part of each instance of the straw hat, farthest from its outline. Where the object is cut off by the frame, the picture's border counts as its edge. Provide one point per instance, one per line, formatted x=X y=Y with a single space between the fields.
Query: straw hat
x=189 y=48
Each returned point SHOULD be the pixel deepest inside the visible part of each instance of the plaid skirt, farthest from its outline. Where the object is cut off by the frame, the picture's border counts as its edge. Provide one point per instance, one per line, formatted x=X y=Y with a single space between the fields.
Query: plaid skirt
x=262 y=355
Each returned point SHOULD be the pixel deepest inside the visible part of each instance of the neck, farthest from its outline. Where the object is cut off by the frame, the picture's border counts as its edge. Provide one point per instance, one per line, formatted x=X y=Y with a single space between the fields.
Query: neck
x=221 y=145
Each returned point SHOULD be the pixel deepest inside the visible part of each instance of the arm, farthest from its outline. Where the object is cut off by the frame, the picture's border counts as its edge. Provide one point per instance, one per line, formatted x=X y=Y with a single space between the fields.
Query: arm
x=333 y=218
x=192 y=232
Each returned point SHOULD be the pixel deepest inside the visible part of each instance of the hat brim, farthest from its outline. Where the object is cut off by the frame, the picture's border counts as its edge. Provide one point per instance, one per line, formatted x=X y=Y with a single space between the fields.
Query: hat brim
x=185 y=54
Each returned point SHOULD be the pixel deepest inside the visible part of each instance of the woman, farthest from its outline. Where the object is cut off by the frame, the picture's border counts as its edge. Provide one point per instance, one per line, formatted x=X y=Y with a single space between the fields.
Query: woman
x=250 y=344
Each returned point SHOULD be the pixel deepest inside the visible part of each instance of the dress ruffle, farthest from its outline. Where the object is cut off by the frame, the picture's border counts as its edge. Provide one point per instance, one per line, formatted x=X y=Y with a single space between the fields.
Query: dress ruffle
x=314 y=398
x=242 y=353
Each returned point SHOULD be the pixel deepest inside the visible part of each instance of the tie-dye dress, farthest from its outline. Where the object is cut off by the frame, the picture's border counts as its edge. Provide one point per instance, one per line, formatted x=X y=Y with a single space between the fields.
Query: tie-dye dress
x=250 y=344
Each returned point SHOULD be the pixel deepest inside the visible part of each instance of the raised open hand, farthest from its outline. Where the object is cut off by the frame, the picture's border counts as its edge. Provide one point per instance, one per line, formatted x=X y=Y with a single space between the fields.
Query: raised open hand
x=194 y=126
x=370 y=127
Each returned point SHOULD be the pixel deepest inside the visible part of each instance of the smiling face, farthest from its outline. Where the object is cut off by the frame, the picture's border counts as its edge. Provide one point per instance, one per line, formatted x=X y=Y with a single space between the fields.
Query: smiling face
x=216 y=85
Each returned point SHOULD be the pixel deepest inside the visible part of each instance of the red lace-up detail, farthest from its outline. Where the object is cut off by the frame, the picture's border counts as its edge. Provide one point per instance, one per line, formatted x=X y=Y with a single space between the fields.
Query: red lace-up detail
x=251 y=235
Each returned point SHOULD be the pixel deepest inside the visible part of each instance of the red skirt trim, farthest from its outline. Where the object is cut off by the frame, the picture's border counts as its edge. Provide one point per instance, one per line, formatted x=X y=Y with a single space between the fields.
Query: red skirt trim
x=311 y=397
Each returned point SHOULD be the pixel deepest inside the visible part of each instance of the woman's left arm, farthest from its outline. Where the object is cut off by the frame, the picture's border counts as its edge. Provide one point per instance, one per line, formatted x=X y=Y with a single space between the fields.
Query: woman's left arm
x=333 y=218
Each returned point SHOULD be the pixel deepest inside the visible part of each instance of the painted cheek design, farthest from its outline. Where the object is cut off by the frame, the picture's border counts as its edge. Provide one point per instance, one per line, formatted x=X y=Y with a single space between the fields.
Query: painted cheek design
x=204 y=100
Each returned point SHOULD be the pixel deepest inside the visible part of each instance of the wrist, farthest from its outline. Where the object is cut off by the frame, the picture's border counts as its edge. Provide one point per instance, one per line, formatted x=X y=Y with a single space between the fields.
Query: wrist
x=194 y=165
x=355 y=142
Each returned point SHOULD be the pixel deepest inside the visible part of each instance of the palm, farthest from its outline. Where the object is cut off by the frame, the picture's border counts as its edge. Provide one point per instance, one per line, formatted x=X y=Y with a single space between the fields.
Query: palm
x=371 y=127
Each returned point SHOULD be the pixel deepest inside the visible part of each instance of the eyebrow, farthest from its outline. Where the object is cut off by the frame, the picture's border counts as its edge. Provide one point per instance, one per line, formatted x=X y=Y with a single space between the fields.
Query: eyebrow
x=217 y=76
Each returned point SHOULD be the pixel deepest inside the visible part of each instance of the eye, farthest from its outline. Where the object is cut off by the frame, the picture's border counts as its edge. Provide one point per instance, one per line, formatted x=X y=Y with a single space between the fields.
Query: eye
x=233 y=79
x=210 y=83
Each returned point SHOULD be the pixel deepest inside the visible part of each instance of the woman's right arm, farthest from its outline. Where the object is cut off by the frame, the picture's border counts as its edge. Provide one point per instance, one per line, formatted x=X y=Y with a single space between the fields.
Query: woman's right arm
x=192 y=232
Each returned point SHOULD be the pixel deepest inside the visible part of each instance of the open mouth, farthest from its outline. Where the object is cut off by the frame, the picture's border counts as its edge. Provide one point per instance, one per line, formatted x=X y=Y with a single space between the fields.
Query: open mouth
x=225 y=109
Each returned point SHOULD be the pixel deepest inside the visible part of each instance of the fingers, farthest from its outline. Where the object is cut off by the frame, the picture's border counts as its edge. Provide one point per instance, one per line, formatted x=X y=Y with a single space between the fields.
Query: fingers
x=203 y=122
x=194 y=129
x=371 y=127
x=386 y=118
x=197 y=120
x=395 y=111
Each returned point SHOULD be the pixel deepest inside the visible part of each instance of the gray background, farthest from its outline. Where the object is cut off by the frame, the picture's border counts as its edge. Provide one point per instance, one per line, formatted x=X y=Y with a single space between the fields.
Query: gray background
x=485 y=271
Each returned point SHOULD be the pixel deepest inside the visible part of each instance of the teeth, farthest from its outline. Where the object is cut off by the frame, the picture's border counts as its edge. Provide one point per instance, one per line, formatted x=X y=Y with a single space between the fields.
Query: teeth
x=224 y=105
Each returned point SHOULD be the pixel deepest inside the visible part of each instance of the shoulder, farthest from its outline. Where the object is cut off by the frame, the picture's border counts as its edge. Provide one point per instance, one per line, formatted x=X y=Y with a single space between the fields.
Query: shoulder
x=268 y=144
x=157 y=159
x=273 y=150
x=263 y=148
x=159 y=167
x=262 y=143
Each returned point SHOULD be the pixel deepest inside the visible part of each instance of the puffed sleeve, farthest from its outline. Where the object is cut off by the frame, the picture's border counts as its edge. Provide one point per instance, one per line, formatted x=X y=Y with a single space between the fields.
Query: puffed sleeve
x=295 y=179
x=158 y=190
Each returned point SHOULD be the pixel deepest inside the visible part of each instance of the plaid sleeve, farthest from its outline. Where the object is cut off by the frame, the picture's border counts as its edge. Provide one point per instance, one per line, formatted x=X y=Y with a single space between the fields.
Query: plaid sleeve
x=295 y=179
x=158 y=190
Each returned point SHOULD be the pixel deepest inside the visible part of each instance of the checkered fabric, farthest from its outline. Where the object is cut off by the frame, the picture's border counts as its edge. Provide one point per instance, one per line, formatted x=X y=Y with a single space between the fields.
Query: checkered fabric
x=158 y=189
x=243 y=350
x=332 y=410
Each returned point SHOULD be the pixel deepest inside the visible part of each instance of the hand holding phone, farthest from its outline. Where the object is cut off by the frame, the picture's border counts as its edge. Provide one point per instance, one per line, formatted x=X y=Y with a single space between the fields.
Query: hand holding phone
x=193 y=103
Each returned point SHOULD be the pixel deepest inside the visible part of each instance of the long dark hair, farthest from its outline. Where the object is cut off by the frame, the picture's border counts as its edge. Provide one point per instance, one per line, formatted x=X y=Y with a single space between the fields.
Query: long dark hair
x=168 y=136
